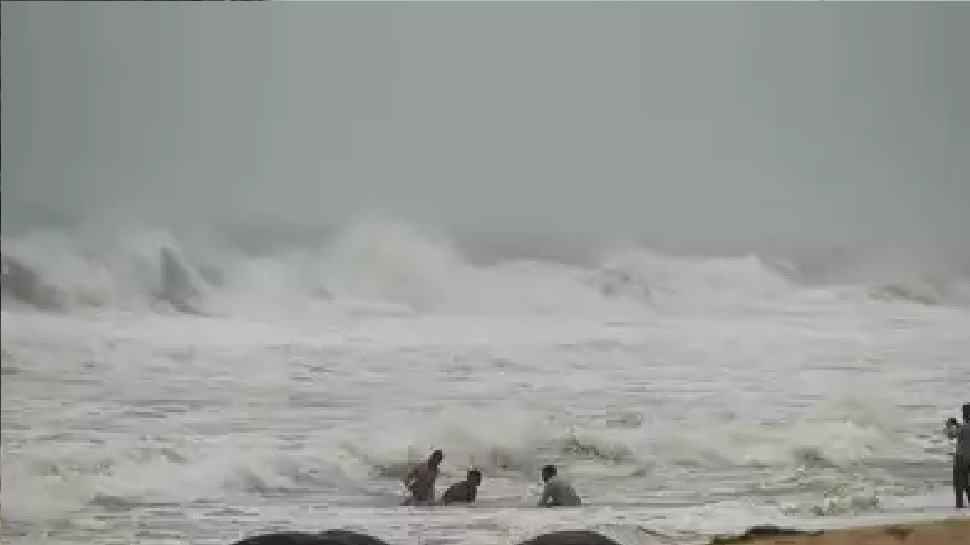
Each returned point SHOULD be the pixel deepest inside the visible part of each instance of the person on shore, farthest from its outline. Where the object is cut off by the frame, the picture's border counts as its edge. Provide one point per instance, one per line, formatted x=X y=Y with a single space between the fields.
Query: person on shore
x=464 y=491
x=421 y=479
x=557 y=492
x=961 y=456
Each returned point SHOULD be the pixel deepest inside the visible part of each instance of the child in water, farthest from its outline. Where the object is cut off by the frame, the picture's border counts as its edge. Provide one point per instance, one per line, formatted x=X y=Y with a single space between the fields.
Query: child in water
x=465 y=491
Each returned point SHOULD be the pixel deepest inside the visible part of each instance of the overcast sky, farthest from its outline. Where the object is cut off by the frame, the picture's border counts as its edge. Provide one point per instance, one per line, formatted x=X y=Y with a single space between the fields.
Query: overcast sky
x=679 y=121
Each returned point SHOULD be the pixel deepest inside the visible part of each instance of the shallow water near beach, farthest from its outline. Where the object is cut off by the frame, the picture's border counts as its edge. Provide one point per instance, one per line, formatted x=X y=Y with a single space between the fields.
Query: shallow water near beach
x=674 y=416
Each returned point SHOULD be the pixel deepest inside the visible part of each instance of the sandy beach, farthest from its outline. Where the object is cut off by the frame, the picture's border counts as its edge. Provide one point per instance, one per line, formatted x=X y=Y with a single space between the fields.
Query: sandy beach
x=955 y=531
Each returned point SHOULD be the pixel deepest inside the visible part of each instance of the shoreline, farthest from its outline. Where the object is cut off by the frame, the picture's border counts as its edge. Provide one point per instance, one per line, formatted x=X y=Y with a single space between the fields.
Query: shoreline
x=953 y=530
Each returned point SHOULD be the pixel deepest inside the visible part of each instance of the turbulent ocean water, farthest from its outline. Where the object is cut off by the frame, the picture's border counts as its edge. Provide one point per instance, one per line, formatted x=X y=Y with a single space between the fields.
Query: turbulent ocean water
x=170 y=389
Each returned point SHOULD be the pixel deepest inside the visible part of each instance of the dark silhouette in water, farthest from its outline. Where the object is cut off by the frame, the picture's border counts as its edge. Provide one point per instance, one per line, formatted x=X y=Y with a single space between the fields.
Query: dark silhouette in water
x=177 y=287
x=24 y=284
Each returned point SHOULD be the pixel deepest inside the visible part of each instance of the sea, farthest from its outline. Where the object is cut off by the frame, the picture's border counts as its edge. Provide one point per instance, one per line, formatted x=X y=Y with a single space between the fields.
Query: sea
x=160 y=388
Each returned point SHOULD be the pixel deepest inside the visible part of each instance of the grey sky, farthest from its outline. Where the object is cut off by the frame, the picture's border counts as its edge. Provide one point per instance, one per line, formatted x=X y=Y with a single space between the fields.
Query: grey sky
x=679 y=121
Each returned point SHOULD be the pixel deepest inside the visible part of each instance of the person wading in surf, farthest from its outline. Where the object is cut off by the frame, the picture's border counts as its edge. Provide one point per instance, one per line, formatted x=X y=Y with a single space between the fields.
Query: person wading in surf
x=465 y=491
x=420 y=480
x=557 y=492
x=961 y=456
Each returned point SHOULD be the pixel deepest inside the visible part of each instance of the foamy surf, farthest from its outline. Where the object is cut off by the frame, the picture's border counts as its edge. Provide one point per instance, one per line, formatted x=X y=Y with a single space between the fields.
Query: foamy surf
x=392 y=268
x=668 y=418
x=154 y=379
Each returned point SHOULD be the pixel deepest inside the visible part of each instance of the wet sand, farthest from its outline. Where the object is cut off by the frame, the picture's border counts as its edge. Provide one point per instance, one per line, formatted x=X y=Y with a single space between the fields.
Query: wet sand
x=955 y=531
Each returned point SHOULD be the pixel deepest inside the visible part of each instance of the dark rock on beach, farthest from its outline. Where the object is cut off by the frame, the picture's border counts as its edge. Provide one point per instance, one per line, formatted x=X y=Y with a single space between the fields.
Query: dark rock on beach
x=329 y=537
x=347 y=537
x=570 y=537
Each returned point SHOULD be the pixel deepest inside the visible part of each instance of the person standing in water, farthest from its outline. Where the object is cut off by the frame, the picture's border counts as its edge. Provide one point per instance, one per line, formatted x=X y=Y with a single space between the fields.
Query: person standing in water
x=557 y=492
x=465 y=491
x=420 y=480
x=961 y=456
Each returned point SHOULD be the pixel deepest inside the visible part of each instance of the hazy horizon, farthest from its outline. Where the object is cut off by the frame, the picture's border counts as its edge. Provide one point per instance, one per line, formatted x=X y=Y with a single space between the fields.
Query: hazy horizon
x=704 y=124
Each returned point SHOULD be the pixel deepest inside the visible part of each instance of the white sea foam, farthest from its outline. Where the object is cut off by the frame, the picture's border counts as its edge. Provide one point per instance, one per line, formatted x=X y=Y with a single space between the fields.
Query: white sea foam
x=227 y=392
x=394 y=268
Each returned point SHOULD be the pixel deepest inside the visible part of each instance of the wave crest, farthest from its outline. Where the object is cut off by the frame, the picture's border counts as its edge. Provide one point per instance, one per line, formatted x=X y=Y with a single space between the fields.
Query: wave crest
x=394 y=268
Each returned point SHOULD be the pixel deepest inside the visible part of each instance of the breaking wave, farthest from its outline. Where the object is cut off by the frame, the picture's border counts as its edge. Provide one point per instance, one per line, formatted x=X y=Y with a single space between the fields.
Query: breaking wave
x=822 y=457
x=392 y=268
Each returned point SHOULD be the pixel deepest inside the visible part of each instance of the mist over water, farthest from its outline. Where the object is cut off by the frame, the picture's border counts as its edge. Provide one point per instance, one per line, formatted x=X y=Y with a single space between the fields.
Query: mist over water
x=831 y=137
x=792 y=128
